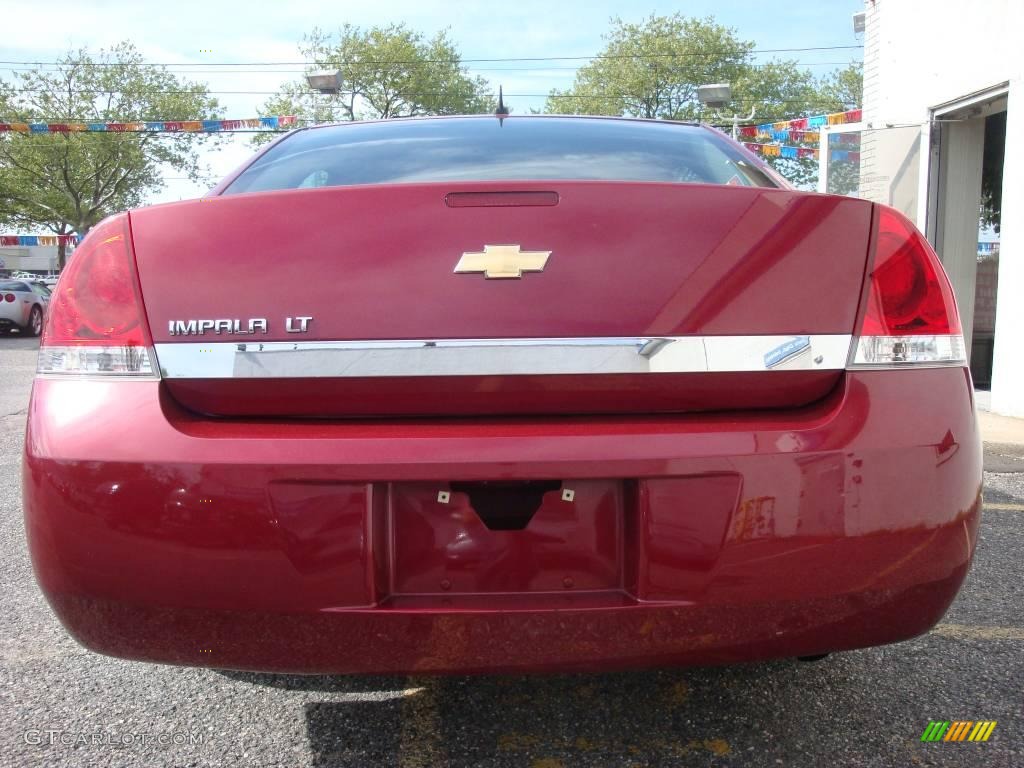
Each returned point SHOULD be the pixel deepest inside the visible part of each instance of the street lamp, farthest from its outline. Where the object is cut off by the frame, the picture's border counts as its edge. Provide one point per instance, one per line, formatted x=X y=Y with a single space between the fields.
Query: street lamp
x=718 y=96
x=715 y=96
x=325 y=80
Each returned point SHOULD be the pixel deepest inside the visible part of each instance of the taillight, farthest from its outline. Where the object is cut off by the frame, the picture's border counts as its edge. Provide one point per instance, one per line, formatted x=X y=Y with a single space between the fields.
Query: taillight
x=95 y=324
x=9 y=297
x=909 y=312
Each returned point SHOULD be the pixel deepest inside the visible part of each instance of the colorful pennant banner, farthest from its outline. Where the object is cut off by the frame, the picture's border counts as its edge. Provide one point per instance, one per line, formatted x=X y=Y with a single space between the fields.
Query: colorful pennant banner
x=779 y=150
x=38 y=240
x=165 y=126
x=801 y=128
x=783 y=150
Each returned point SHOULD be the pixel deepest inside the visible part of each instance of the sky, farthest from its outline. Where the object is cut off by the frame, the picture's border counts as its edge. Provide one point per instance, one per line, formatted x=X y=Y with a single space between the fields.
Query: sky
x=198 y=32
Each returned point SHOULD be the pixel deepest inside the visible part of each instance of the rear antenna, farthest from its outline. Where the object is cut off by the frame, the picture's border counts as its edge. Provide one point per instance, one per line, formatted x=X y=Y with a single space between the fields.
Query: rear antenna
x=502 y=111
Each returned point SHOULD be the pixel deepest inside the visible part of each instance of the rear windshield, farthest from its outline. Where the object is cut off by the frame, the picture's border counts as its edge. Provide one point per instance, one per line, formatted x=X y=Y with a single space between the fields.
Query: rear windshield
x=6 y=285
x=486 y=149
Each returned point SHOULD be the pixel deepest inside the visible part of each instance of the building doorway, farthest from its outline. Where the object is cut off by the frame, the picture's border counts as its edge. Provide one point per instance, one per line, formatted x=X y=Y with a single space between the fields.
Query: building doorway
x=964 y=191
x=987 y=282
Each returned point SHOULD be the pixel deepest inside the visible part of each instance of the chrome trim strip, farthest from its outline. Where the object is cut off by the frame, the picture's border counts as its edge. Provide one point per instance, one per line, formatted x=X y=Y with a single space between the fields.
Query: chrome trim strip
x=500 y=357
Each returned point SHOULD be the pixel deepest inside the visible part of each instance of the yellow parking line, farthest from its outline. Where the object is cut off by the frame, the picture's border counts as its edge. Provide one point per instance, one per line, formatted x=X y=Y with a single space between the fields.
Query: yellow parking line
x=1005 y=507
x=968 y=632
x=419 y=742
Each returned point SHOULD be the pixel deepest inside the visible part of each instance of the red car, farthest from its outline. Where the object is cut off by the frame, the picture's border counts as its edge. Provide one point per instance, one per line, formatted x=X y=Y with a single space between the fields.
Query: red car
x=563 y=393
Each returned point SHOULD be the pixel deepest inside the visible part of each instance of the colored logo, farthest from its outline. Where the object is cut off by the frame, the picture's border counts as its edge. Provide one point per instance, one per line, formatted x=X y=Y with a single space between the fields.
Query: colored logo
x=785 y=351
x=958 y=730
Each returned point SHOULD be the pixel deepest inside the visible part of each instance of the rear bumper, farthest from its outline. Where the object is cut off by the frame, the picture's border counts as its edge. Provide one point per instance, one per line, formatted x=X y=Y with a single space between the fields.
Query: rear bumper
x=321 y=547
x=14 y=315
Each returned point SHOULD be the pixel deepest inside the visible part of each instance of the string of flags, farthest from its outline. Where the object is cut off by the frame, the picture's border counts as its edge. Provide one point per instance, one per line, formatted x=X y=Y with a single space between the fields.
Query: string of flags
x=800 y=128
x=159 y=126
x=39 y=240
x=778 y=150
x=783 y=150
x=841 y=146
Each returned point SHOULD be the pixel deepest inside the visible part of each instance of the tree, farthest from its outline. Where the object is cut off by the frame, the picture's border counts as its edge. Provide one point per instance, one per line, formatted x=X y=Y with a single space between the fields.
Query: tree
x=67 y=182
x=992 y=171
x=390 y=71
x=652 y=70
x=844 y=87
x=837 y=91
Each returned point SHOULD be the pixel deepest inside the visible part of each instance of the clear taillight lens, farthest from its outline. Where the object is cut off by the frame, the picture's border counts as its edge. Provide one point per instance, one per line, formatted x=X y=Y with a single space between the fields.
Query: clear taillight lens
x=909 y=315
x=95 y=324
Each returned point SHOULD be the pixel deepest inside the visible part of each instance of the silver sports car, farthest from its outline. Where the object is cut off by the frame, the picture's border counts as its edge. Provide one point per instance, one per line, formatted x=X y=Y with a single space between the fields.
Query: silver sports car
x=23 y=306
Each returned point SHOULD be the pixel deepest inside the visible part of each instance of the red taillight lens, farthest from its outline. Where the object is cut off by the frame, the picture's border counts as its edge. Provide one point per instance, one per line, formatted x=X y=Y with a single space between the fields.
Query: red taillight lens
x=910 y=314
x=9 y=297
x=97 y=301
x=95 y=323
x=908 y=292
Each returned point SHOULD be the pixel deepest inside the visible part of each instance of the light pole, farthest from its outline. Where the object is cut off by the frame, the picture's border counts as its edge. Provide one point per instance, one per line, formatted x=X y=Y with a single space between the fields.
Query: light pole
x=325 y=81
x=718 y=96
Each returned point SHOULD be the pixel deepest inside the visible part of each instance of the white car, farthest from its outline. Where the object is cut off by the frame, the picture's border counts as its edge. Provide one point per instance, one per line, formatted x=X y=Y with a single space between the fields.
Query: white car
x=48 y=279
x=23 y=306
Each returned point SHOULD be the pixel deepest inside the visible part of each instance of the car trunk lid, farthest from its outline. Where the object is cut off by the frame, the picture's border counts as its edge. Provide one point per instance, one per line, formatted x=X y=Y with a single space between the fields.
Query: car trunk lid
x=347 y=301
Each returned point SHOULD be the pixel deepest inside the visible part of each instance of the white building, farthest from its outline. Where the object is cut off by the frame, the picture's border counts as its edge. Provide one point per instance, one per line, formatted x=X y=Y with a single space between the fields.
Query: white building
x=936 y=74
x=30 y=258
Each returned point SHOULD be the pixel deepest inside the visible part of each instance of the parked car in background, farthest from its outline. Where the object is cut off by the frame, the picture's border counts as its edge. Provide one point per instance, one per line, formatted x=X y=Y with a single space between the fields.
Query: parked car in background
x=567 y=393
x=23 y=305
x=50 y=277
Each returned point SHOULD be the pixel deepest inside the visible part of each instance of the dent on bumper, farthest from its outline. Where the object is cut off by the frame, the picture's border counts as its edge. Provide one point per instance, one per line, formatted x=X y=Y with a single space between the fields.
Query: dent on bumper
x=693 y=539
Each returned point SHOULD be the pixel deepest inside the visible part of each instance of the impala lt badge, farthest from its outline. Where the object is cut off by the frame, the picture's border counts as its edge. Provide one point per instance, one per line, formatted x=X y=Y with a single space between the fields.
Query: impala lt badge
x=503 y=261
x=298 y=324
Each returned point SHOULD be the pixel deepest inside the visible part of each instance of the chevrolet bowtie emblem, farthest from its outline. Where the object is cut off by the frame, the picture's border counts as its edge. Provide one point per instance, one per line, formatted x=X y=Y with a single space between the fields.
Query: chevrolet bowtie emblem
x=502 y=261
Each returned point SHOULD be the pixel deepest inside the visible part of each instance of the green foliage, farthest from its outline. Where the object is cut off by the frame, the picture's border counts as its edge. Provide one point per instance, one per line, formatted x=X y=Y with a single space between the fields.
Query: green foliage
x=781 y=90
x=652 y=70
x=68 y=182
x=390 y=71
x=844 y=87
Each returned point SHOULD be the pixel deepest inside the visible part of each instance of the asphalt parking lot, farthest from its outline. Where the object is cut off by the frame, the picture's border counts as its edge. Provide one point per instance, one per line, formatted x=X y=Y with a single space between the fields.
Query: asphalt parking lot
x=863 y=708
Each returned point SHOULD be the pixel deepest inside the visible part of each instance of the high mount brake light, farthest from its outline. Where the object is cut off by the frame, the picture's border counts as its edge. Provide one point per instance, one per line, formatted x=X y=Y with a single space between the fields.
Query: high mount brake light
x=95 y=324
x=909 y=315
